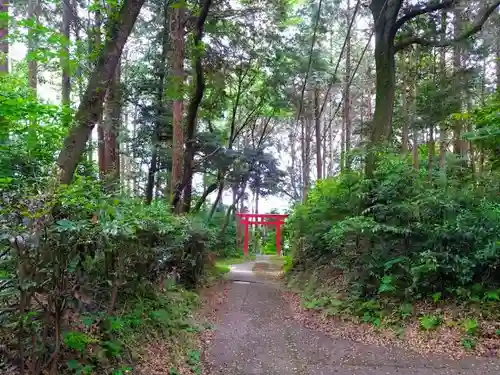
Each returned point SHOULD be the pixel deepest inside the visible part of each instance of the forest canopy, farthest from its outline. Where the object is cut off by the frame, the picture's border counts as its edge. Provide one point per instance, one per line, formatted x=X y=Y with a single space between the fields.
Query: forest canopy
x=132 y=131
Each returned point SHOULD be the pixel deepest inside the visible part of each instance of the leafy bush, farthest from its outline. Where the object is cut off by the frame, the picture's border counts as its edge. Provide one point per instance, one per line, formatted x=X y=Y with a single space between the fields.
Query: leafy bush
x=81 y=253
x=401 y=233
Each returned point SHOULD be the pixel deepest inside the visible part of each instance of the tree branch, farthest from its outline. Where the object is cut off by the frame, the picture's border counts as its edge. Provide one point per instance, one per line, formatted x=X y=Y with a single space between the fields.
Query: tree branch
x=417 y=10
x=426 y=41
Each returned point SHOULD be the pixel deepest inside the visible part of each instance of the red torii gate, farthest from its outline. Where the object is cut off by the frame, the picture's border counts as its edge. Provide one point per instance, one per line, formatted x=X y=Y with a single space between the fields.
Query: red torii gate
x=259 y=219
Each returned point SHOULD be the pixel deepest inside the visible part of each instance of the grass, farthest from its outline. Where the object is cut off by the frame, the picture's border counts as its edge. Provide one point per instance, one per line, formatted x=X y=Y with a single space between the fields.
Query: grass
x=222 y=269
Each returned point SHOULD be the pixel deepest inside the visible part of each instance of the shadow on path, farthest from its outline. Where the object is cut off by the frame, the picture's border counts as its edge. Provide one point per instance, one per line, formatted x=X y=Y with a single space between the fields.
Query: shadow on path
x=256 y=334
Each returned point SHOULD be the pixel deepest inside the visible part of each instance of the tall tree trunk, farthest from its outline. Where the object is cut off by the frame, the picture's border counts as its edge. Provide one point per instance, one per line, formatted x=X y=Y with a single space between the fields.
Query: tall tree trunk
x=33 y=15
x=4 y=32
x=151 y=175
x=346 y=109
x=415 y=158
x=317 y=127
x=177 y=19
x=77 y=22
x=306 y=156
x=431 y=144
x=257 y=195
x=112 y=123
x=384 y=15
x=293 y=160
x=100 y=126
x=413 y=114
x=404 y=109
x=66 y=81
x=90 y=108
x=470 y=144
x=218 y=198
x=160 y=107
x=193 y=109
x=458 y=148
x=443 y=134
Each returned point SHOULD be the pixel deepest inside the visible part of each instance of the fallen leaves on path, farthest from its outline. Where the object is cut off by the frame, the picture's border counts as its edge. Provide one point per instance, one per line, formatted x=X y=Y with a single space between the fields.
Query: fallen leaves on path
x=446 y=339
x=212 y=300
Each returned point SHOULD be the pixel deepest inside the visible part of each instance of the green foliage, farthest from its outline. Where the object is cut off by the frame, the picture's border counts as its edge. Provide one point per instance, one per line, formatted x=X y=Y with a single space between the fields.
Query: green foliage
x=487 y=125
x=470 y=326
x=222 y=268
x=30 y=134
x=149 y=315
x=430 y=322
x=469 y=343
x=269 y=247
x=287 y=263
x=401 y=234
x=194 y=360
x=98 y=254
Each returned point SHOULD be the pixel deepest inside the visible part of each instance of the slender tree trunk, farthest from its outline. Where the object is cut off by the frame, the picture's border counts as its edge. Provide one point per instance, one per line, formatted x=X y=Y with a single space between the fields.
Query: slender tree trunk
x=317 y=126
x=151 y=175
x=413 y=111
x=90 y=108
x=125 y=151
x=293 y=157
x=209 y=190
x=193 y=109
x=347 y=126
x=257 y=195
x=415 y=158
x=101 y=156
x=112 y=122
x=4 y=32
x=330 y=143
x=160 y=107
x=76 y=21
x=443 y=134
x=404 y=109
x=33 y=15
x=470 y=145
x=66 y=81
x=177 y=19
x=306 y=161
x=431 y=150
x=458 y=148
x=218 y=198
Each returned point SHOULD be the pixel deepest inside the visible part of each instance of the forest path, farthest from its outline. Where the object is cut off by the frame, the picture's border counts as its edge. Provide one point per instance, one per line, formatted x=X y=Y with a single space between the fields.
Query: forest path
x=257 y=335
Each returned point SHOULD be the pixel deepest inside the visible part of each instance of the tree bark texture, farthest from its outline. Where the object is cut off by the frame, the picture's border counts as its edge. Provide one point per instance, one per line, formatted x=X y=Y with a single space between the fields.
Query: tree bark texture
x=91 y=106
x=346 y=108
x=317 y=130
x=111 y=129
x=194 y=104
x=160 y=107
x=177 y=15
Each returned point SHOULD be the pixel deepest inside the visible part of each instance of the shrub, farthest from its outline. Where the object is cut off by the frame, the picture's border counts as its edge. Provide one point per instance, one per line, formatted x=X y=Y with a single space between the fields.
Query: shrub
x=402 y=233
x=91 y=255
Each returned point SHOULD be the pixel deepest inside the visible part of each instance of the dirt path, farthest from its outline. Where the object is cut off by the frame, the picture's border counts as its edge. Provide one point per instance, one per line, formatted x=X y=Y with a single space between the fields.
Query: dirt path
x=255 y=334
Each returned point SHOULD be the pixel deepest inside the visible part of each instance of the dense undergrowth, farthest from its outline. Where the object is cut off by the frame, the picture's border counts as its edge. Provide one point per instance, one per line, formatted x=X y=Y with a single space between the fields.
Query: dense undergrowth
x=83 y=275
x=384 y=248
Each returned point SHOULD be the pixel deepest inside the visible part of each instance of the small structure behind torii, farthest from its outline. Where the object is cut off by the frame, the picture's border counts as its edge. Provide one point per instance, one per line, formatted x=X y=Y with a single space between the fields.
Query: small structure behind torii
x=244 y=219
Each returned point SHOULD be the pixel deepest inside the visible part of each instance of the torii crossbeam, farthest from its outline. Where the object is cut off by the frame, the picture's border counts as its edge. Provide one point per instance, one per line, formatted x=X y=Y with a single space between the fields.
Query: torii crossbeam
x=243 y=219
